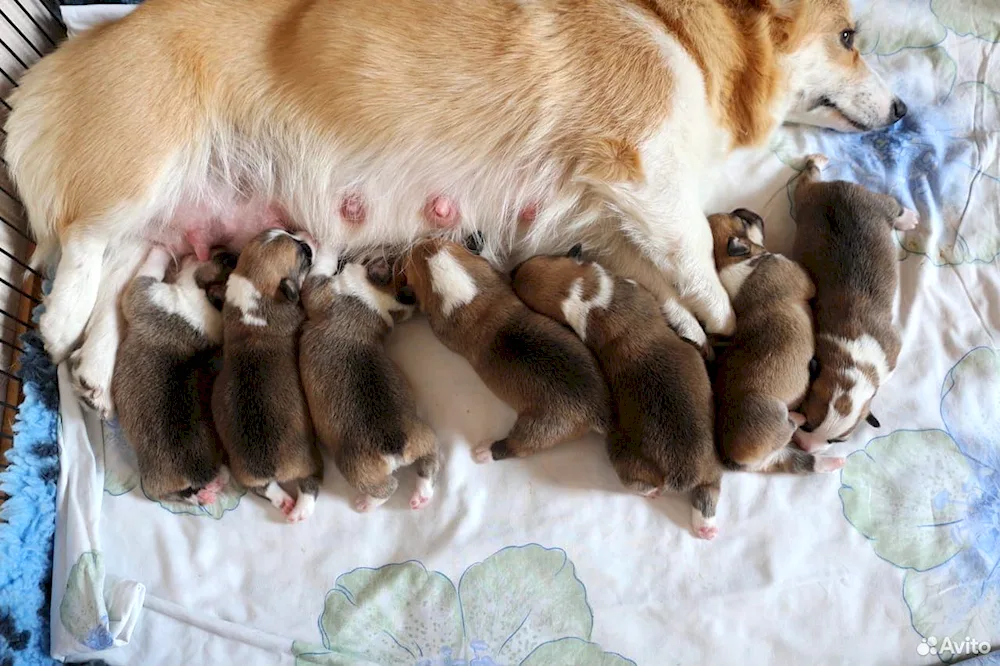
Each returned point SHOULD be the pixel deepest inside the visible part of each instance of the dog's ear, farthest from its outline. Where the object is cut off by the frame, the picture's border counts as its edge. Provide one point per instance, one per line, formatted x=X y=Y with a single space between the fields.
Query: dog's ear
x=475 y=242
x=379 y=272
x=737 y=247
x=872 y=421
x=813 y=369
x=289 y=289
x=576 y=252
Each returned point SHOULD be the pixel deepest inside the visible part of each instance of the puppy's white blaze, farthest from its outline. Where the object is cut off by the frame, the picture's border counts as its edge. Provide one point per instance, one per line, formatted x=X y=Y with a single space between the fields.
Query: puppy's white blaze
x=683 y=322
x=836 y=424
x=451 y=282
x=734 y=275
x=576 y=309
x=186 y=300
x=304 y=507
x=864 y=349
x=276 y=494
x=240 y=293
x=353 y=281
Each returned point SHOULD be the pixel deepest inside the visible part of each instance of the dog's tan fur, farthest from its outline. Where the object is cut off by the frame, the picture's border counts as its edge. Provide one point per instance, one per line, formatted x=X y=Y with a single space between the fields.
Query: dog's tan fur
x=361 y=403
x=529 y=361
x=662 y=436
x=844 y=241
x=763 y=375
x=258 y=402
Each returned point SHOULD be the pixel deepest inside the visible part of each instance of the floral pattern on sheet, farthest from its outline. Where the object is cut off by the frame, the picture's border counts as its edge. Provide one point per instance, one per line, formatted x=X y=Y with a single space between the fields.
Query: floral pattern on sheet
x=121 y=476
x=929 y=502
x=521 y=606
x=941 y=159
x=83 y=612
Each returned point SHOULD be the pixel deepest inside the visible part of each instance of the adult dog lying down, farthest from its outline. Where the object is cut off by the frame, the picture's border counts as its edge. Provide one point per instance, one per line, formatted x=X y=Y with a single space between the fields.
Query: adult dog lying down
x=371 y=122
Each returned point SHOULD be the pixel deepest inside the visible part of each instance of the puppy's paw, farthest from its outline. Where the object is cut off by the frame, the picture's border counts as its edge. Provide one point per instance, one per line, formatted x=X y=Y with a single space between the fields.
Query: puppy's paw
x=483 y=453
x=91 y=377
x=796 y=419
x=707 y=532
x=366 y=503
x=818 y=160
x=648 y=493
x=278 y=498
x=287 y=506
x=907 y=221
x=704 y=528
x=207 y=495
x=808 y=442
x=422 y=494
x=721 y=320
x=828 y=463
x=302 y=509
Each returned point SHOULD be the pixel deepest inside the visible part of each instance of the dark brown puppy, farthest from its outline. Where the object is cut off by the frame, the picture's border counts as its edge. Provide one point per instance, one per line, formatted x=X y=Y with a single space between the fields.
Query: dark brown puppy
x=361 y=404
x=258 y=402
x=845 y=242
x=764 y=374
x=163 y=363
x=662 y=436
x=529 y=361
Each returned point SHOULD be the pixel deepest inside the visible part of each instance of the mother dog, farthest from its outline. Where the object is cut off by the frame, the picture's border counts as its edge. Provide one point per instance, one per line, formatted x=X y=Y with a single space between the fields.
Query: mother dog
x=371 y=122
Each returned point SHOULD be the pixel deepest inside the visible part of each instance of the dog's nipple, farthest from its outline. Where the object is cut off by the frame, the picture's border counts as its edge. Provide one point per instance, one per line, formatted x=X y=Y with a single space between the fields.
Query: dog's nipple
x=441 y=212
x=528 y=214
x=352 y=209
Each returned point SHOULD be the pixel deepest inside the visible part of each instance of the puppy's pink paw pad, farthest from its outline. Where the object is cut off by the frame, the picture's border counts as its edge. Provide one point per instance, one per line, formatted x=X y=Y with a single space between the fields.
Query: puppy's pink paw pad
x=829 y=464
x=287 y=505
x=364 y=504
x=707 y=532
x=483 y=454
x=651 y=494
x=207 y=496
x=419 y=501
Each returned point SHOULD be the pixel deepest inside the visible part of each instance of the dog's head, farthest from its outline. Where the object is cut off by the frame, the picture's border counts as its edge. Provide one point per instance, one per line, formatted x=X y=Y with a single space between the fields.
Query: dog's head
x=737 y=238
x=547 y=283
x=445 y=275
x=211 y=275
x=268 y=276
x=380 y=286
x=830 y=84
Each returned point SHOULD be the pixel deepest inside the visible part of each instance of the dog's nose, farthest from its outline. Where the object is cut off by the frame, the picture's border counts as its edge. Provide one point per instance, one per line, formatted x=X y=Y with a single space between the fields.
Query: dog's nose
x=898 y=109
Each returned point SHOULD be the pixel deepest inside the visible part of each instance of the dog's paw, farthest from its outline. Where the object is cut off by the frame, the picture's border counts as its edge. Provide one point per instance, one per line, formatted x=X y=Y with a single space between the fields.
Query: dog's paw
x=828 y=463
x=58 y=340
x=721 y=319
x=91 y=377
x=483 y=453
x=907 y=220
x=422 y=494
x=818 y=160
x=206 y=496
x=707 y=532
x=809 y=442
x=302 y=509
x=367 y=503
x=704 y=528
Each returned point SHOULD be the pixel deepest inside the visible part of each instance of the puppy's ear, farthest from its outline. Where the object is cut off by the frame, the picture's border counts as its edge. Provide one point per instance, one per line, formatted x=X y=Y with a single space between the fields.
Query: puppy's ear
x=872 y=421
x=737 y=247
x=379 y=272
x=475 y=242
x=813 y=369
x=289 y=289
x=406 y=295
x=576 y=252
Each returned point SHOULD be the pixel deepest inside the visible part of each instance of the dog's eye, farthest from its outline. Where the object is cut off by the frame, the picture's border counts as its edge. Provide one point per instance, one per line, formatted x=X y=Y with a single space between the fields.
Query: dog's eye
x=847 y=39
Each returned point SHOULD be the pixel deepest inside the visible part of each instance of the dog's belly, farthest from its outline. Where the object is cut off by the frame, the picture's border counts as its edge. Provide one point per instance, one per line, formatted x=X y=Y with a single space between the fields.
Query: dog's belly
x=196 y=227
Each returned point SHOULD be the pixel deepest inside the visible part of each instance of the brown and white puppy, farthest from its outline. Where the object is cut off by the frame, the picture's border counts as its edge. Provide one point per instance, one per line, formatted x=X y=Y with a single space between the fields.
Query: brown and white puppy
x=163 y=367
x=529 y=361
x=361 y=403
x=764 y=374
x=662 y=434
x=845 y=242
x=259 y=406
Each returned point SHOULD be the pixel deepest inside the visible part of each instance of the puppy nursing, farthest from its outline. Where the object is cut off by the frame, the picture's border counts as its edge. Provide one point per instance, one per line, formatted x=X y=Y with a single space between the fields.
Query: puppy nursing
x=764 y=375
x=361 y=404
x=162 y=370
x=845 y=242
x=259 y=406
x=529 y=361
x=662 y=436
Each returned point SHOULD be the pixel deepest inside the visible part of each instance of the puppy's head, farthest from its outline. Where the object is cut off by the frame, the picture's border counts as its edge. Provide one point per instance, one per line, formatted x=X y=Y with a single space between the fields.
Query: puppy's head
x=830 y=83
x=211 y=275
x=444 y=275
x=737 y=238
x=276 y=262
x=380 y=286
x=544 y=283
x=839 y=399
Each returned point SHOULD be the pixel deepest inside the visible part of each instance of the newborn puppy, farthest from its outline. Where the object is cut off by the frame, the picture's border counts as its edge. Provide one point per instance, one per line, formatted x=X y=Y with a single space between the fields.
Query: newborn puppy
x=259 y=406
x=662 y=435
x=764 y=374
x=361 y=404
x=163 y=364
x=844 y=240
x=529 y=361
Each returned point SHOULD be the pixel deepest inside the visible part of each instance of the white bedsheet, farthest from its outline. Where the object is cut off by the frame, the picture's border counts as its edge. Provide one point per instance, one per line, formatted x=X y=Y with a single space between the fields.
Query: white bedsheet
x=547 y=561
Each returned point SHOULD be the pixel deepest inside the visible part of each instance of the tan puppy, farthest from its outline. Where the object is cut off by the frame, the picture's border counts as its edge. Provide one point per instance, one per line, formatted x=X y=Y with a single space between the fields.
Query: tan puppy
x=361 y=404
x=845 y=242
x=370 y=123
x=764 y=374
x=259 y=406
x=529 y=361
x=662 y=435
x=163 y=369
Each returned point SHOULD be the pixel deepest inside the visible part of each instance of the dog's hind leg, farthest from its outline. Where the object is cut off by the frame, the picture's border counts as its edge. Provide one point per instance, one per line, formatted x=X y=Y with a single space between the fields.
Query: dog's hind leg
x=423 y=450
x=637 y=472
x=704 y=499
x=530 y=435
x=93 y=364
x=74 y=293
x=305 y=503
